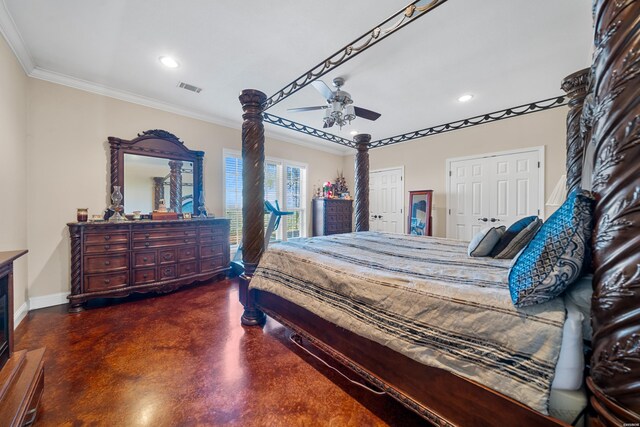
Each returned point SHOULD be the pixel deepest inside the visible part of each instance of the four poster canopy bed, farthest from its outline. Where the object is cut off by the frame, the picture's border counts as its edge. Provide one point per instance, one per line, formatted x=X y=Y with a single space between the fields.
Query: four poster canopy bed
x=437 y=329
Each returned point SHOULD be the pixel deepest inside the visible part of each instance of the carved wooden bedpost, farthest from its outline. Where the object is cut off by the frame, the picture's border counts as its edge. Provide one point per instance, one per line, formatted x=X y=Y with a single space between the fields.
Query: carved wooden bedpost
x=362 y=181
x=175 y=185
x=576 y=87
x=252 y=197
x=158 y=191
x=615 y=363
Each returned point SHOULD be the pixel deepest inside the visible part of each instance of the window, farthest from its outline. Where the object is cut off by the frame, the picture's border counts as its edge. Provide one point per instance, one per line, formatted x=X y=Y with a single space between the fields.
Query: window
x=284 y=182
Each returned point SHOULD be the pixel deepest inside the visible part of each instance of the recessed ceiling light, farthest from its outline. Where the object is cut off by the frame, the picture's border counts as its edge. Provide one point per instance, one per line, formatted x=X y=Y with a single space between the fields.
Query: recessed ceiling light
x=169 y=62
x=354 y=132
x=465 y=98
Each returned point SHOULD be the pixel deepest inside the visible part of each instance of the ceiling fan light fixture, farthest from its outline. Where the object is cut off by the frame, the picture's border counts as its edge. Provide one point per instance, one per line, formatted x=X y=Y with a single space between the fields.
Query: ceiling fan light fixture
x=350 y=113
x=169 y=62
x=465 y=98
x=354 y=132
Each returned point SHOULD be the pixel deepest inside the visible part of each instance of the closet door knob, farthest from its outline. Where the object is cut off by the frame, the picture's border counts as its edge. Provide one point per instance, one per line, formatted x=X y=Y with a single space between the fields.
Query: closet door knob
x=483 y=219
x=494 y=220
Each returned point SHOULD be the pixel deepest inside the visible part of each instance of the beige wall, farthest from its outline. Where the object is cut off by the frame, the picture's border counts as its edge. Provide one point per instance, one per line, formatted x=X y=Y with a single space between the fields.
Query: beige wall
x=68 y=156
x=424 y=159
x=13 y=165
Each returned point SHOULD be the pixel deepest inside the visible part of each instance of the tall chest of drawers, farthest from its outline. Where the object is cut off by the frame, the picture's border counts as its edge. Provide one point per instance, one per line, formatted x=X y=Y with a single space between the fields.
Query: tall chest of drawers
x=332 y=216
x=117 y=259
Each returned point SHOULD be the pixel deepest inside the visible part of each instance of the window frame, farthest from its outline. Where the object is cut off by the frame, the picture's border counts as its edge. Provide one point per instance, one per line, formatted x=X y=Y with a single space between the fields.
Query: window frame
x=281 y=190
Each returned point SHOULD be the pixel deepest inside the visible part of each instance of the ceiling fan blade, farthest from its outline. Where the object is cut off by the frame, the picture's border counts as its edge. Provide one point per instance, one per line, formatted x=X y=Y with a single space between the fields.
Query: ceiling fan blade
x=323 y=89
x=366 y=114
x=320 y=107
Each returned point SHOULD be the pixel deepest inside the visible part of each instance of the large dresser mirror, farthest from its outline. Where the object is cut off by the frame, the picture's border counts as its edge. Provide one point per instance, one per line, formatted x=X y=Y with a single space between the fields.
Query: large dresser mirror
x=156 y=169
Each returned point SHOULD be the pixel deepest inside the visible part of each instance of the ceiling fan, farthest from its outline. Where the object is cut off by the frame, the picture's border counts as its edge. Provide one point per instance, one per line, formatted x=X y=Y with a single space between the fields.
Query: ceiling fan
x=339 y=109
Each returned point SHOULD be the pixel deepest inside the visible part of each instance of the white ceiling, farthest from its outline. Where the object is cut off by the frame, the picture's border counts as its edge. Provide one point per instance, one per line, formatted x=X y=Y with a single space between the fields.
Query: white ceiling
x=505 y=52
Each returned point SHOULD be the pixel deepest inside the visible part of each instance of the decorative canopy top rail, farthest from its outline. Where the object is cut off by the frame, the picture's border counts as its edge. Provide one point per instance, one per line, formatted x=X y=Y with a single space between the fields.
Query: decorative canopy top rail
x=473 y=121
x=398 y=20
x=299 y=127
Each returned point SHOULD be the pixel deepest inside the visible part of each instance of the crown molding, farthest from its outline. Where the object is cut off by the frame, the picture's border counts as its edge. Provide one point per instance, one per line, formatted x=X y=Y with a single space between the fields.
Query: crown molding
x=87 y=86
x=10 y=32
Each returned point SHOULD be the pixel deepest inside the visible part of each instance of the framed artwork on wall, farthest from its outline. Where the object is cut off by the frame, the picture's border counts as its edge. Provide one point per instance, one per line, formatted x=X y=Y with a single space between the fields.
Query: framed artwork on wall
x=419 y=221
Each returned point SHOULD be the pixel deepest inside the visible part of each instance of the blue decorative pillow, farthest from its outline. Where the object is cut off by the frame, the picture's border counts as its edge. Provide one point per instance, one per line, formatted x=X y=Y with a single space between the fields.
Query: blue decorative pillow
x=553 y=259
x=517 y=236
x=484 y=241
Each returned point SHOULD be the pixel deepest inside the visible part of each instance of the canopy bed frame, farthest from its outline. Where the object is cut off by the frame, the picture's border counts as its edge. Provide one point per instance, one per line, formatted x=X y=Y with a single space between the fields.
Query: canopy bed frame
x=603 y=148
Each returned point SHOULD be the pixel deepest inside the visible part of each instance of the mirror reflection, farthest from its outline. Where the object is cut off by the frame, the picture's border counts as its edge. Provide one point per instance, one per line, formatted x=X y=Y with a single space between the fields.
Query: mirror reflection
x=420 y=213
x=152 y=181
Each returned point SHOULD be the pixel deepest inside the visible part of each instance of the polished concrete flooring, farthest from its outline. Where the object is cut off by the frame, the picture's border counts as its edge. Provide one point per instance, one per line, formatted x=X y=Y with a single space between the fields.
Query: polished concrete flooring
x=182 y=359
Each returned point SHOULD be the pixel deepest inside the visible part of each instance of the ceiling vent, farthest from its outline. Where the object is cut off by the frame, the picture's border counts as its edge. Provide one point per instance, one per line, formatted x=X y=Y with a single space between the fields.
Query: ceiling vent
x=192 y=88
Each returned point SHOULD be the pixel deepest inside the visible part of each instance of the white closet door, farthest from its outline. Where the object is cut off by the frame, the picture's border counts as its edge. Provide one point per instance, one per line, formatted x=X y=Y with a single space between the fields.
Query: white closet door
x=386 y=198
x=492 y=190
x=515 y=188
x=469 y=197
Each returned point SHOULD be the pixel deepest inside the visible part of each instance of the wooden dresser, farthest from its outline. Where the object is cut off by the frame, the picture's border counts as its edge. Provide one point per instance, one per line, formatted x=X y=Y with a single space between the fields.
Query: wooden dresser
x=332 y=216
x=117 y=259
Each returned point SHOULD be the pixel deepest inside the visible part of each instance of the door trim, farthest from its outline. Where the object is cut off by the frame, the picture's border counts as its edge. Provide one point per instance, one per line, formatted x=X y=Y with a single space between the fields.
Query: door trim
x=404 y=231
x=541 y=194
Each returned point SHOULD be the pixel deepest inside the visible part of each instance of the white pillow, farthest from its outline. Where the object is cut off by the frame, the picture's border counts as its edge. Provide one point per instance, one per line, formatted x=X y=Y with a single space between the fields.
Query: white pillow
x=482 y=243
x=570 y=366
x=579 y=294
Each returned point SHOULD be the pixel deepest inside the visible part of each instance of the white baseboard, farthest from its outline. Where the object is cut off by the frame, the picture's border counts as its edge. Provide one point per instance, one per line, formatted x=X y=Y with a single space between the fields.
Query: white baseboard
x=20 y=314
x=48 y=300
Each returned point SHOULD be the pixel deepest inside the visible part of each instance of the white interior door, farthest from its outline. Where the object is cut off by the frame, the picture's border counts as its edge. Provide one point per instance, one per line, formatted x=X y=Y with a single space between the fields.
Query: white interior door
x=495 y=189
x=386 y=199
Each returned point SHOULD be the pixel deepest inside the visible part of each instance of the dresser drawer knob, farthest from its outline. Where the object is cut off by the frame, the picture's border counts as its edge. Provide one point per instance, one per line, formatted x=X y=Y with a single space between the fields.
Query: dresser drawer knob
x=145 y=259
x=146 y=244
x=167 y=256
x=107 y=246
x=107 y=263
x=146 y=235
x=188 y=253
x=167 y=271
x=186 y=240
x=107 y=281
x=144 y=276
x=107 y=237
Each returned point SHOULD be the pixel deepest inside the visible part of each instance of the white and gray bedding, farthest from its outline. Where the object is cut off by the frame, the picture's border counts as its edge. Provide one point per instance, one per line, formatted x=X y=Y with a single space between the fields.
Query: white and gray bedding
x=425 y=298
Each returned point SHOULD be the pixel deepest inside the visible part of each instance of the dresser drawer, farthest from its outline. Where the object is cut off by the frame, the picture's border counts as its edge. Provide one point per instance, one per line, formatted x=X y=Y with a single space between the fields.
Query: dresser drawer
x=144 y=275
x=208 y=238
x=187 y=253
x=216 y=230
x=141 y=259
x=106 y=281
x=166 y=256
x=187 y=269
x=211 y=264
x=106 y=263
x=141 y=244
x=163 y=234
x=106 y=248
x=167 y=272
x=90 y=238
x=211 y=250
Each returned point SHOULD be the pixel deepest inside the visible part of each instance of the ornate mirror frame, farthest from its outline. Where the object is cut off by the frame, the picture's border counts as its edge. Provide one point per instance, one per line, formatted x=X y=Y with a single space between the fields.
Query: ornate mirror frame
x=154 y=143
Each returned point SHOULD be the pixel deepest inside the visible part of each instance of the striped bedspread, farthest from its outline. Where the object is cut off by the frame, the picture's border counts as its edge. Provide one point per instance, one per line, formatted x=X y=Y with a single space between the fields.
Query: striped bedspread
x=425 y=298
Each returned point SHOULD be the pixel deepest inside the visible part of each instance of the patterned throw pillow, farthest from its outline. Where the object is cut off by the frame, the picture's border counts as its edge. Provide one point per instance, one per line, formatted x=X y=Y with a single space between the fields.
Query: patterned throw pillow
x=553 y=259
x=484 y=241
x=517 y=236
